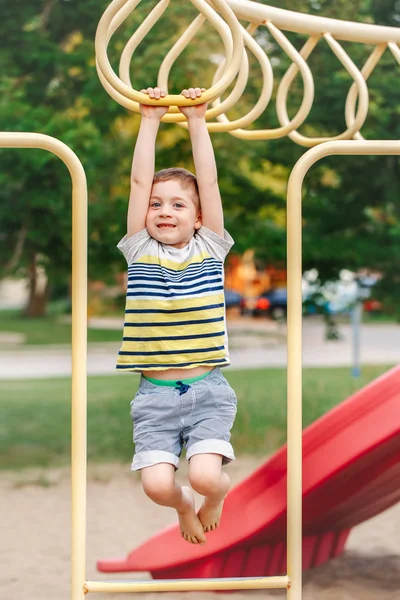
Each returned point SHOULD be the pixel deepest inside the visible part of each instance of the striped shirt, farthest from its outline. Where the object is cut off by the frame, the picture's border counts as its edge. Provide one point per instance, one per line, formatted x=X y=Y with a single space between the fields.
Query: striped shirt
x=175 y=308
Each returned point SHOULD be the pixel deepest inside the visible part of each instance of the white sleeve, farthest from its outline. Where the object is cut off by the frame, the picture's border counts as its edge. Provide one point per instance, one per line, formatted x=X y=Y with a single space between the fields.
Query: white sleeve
x=217 y=246
x=134 y=246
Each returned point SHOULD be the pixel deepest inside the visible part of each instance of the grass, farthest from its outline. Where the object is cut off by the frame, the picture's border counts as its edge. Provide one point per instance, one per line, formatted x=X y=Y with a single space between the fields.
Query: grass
x=50 y=330
x=35 y=423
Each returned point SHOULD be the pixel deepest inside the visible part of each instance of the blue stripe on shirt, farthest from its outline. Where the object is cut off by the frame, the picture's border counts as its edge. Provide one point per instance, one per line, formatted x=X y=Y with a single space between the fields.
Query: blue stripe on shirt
x=169 y=285
x=177 y=294
x=143 y=367
x=141 y=277
x=193 y=267
x=166 y=352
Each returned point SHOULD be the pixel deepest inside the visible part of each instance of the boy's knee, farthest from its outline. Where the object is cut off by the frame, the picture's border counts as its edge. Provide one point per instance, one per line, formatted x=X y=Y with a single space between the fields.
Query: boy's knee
x=158 y=489
x=204 y=482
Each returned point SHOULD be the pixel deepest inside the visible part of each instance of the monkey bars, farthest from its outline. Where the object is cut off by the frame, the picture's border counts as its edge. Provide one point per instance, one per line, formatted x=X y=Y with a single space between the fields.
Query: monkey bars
x=237 y=40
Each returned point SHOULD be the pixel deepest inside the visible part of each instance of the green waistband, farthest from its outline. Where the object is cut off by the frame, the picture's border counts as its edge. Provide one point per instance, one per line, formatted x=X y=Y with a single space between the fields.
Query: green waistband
x=173 y=382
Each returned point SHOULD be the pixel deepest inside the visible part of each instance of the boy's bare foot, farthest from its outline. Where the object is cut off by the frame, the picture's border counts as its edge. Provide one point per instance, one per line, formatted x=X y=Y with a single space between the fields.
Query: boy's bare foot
x=191 y=528
x=210 y=514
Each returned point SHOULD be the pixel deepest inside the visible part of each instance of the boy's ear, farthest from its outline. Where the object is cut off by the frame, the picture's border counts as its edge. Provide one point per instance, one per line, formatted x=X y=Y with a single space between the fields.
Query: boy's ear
x=198 y=222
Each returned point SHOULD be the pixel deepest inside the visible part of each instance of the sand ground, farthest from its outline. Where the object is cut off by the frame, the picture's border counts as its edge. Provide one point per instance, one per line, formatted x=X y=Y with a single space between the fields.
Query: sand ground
x=35 y=539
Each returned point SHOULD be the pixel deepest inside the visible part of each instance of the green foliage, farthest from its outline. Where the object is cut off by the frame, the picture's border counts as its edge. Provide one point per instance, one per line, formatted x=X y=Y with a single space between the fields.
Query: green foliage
x=49 y=84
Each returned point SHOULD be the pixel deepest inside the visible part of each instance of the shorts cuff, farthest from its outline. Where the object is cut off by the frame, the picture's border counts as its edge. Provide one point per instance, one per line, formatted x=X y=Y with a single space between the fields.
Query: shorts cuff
x=149 y=458
x=212 y=447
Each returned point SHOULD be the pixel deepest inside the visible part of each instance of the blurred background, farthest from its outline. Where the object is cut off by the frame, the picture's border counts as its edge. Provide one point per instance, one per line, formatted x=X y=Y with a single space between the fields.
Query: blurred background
x=49 y=84
x=351 y=215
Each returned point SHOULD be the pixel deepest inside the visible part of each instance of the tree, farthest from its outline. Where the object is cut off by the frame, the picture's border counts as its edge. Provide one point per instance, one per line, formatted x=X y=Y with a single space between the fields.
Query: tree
x=351 y=206
x=50 y=85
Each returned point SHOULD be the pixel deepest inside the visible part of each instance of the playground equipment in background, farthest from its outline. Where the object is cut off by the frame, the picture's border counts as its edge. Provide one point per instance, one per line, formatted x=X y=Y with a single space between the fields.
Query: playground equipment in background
x=237 y=40
x=223 y=15
x=351 y=467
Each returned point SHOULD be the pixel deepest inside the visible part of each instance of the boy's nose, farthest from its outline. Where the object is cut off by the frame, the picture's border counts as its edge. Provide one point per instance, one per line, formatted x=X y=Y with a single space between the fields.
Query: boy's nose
x=166 y=211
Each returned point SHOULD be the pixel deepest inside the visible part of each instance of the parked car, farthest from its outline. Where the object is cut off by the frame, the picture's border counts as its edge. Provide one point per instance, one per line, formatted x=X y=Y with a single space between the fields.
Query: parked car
x=271 y=303
x=232 y=299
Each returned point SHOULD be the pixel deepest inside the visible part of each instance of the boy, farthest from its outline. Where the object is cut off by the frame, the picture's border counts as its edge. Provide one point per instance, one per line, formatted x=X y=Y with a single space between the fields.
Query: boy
x=174 y=332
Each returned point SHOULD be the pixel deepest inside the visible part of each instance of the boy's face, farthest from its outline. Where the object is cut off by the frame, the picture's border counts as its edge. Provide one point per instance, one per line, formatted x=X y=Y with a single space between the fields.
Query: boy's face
x=173 y=214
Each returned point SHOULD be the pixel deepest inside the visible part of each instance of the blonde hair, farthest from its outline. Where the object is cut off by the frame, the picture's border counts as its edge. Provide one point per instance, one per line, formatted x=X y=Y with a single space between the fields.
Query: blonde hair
x=185 y=177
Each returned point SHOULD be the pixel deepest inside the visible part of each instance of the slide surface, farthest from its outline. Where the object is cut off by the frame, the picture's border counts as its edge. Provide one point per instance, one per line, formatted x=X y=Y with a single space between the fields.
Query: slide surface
x=351 y=472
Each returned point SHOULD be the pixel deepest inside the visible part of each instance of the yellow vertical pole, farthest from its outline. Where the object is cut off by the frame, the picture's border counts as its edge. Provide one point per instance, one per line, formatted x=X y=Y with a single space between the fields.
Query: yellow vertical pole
x=79 y=381
x=294 y=388
x=294 y=275
x=79 y=345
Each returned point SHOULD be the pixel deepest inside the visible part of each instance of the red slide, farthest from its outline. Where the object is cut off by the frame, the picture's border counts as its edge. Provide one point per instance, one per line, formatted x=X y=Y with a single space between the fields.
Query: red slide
x=351 y=472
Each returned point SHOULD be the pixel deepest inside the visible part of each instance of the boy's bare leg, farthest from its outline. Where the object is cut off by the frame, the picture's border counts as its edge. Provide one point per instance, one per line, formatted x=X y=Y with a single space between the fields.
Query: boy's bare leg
x=207 y=478
x=159 y=484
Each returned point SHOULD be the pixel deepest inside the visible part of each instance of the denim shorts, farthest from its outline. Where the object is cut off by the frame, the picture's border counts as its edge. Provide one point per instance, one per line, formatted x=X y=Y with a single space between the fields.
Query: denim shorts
x=165 y=420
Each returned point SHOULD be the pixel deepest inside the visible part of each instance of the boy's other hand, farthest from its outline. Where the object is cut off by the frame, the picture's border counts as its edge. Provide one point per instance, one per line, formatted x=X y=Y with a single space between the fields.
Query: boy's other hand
x=193 y=111
x=154 y=112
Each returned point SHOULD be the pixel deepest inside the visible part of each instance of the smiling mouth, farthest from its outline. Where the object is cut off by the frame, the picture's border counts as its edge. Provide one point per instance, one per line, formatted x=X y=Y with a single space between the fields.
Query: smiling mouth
x=165 y=226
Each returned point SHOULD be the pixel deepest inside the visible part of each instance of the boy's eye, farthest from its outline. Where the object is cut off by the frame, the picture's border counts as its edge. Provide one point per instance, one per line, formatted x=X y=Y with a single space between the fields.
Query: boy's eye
x=155 y=204
x=179 y=204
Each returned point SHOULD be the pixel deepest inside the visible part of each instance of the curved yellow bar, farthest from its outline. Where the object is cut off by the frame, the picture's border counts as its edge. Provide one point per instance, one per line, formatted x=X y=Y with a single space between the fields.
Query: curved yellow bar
x=264 y=98
x=79 y=344
x=308 y=96
x=288 y=20
x=294 y=340
x=137 y=37
x=350 y=107
x=124 y=12
x=103 y=36
x=180 y=45
x=240 y=85
x=177 y=49
x=233 y=97
x=362 y=103
x=395 y=51
x=289 y=76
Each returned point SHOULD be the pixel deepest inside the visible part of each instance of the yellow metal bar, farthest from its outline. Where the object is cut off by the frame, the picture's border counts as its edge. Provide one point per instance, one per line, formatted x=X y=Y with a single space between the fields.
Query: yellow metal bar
x=350 y=107
x=265 y=95
x=363 y=99
x=300 y=65
x=178 y=48
x=136 y=38
x=79 y=344
x=289 y=20
x=395 y=51
x=294 y=321
x=188 y=585
x=108 y=24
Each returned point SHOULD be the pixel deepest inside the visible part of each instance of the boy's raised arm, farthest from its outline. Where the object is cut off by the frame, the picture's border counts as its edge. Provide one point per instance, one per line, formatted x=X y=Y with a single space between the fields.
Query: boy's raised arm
x=142 y=172
x=204 y=163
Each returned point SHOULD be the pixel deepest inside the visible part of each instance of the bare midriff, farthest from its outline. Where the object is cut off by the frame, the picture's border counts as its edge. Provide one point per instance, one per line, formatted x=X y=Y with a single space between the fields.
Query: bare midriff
x=177 y=373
